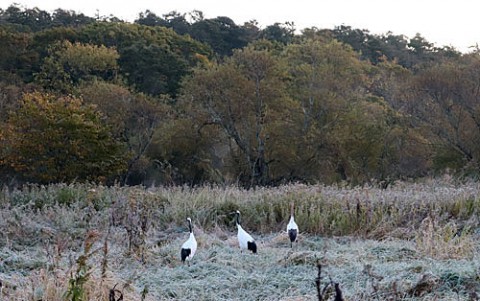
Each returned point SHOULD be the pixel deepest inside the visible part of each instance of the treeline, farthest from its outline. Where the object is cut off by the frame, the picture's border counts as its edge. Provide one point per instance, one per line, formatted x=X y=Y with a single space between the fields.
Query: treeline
x=181 y=99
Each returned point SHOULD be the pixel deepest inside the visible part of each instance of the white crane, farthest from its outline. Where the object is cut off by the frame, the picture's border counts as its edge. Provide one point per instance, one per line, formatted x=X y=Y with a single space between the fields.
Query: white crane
x=292 y=228
x=190 y=246
x=245 y=240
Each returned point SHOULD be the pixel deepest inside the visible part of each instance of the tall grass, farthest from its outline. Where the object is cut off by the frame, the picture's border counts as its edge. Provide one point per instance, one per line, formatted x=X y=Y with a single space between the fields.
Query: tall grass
x=323 y=210
x=367 y=212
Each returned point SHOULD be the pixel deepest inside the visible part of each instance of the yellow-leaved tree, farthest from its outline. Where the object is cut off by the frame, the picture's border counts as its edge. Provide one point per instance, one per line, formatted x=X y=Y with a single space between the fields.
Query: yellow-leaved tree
x=59 y=139
x=68 y=64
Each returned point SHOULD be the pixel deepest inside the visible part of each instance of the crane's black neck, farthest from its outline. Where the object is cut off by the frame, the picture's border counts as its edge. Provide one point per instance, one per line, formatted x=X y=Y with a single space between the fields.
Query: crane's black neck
x=238 y=218
x=190 y=226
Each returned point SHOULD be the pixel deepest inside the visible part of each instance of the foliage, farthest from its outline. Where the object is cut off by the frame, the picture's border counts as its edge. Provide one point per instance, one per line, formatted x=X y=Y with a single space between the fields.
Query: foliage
x=196 y=100
x=243 y=98
x=407 y=52
x=281 y=33
x=453 y=110
x=165 y=68
x=221 y=33
x=344 y=131
x=156 y=51
x=35 y=19
x=68 y=64
x=133 y=118
x=54 y=139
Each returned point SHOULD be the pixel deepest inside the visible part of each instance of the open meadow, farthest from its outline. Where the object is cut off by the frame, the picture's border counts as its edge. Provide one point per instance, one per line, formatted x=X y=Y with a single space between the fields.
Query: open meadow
x=88 y=242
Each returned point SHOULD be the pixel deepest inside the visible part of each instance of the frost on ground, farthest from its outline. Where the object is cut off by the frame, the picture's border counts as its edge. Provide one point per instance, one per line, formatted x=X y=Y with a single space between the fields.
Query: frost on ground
x=365 y=270
x=53 y=248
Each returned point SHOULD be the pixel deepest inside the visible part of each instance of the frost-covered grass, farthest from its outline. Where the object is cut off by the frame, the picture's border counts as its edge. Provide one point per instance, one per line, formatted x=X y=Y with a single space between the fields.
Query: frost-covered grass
x=409 y=242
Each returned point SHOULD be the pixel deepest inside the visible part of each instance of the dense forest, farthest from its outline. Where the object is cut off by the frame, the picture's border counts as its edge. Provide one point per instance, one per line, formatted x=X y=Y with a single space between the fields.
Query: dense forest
x=181 y=99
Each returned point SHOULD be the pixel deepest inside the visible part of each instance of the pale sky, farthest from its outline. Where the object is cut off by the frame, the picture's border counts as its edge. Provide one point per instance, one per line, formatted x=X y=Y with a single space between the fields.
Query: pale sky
x=445 y=23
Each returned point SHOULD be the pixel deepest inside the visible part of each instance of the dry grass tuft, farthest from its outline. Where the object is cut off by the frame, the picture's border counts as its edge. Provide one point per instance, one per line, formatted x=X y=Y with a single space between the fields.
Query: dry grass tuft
x=425 y=285
x=301 y=258
x=279 y=240
x=444 y=241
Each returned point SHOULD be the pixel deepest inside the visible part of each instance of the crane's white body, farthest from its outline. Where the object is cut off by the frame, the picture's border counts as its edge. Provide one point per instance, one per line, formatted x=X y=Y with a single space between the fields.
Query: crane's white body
x=243 y=238
x=292 y=227
x=190 y=246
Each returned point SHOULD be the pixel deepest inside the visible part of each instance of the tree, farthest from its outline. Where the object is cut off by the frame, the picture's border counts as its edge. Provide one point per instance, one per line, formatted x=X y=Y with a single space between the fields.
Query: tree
x=176 y=21
x=282 y=33
x=221 y=33
x=347 y=130
x=328 y=80
x=375 y=48
x=149 y=18
x=152 y=59
x=33 y=19
x=133 y=118
x=408 y=151
x=153 y=69
x=183 y=151
x=17 y=58
x=242 y=97
x=61 y=17
x=59 y=139
x=68 y=64
x=449 y=91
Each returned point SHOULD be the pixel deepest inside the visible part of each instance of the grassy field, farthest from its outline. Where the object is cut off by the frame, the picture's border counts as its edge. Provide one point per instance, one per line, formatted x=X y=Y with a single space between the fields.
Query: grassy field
x=78 y=242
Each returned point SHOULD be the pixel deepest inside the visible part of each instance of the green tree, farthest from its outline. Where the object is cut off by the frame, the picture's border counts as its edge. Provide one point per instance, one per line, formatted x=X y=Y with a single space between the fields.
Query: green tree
x=153 y=69
x=152 y=59
x=149 y=18
x=221 y=33
x=59 y=139
x=282 y=33
x=243 y=98
x=68 y=64
x=61 y=17
x=177 y=21
x=133 y=118
x=17 y=58
x=348 y=128
x=375 y=48
x=328 y=80
x=31 y=19
x=184 y=151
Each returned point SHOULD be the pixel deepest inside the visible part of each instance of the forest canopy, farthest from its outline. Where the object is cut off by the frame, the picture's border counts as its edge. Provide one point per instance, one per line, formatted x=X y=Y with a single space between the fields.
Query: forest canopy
x=181 y=99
